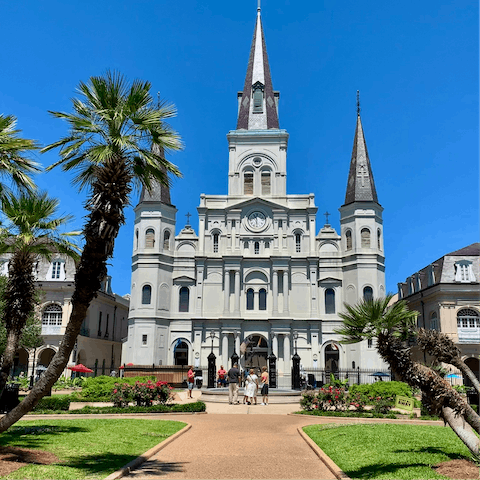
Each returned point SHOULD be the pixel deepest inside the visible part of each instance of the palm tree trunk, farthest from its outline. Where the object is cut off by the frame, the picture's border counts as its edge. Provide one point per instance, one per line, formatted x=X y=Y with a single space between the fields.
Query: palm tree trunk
x=463 y=367
x=109 y=198
x=463 y=430
x=19 y=304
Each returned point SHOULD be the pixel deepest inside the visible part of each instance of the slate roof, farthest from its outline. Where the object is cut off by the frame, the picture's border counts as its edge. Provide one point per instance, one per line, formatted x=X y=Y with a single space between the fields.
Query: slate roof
x=469 y=251
x=360 y=186
x=258 y=70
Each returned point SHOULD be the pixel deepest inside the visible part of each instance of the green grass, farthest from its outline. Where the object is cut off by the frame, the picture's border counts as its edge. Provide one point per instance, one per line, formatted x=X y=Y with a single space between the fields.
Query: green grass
x=86 y=448
x=386 y=451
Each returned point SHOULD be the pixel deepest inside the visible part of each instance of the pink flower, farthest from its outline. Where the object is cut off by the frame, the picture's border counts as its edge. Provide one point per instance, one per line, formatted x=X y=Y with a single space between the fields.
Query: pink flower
x=115 y=391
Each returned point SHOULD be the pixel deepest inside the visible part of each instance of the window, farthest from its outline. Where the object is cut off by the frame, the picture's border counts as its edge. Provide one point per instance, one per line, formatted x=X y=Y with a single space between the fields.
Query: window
x=144 y=339
x=166 y=240
x=266 y=185
x=353 y=365
x=52 y=315
x=233 y=223
x=257 y=248
x=215 y=243
x=370 y=343
x=257 y=98
x=150 y=238
x=267 y=244
x=298 y=243
x=280 y=224
x=434 y=321
x=136 y=239
x=184 y=299
x=464 y=272
x=99 y=333
x=468 y=318
x=106 y=326
x=379 y=239
x=329 y=300
x=250 y=299
x=248 y=183
x=368 y=294
x=348 y=236
x=56 y=266
x=262 y=297
x=146 y=295
x=245 y=245
x=365 y=236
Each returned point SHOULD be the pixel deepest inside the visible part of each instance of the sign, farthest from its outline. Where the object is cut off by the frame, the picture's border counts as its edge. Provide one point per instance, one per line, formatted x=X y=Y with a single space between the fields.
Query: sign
x=404 y=403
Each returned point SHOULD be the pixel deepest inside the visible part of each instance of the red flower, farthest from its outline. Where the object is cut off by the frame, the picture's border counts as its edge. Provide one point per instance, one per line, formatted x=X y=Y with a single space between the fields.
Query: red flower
x=115 y=391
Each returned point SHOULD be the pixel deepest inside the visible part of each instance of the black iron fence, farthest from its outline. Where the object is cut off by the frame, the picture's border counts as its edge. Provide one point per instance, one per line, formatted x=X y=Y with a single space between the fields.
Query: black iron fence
x=317 y=377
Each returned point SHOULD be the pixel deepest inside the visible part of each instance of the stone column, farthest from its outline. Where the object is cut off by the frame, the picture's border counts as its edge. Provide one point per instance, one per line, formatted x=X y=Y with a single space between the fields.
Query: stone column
x=237 y=291
x=287 y=362
x=225 y=350
x=201 y=234
x=275 y=291
x=313 y=289
x=256 y=301
x=312 y=235
x=237 y=345
x=285 y=291
x=275 y=344
x=227 y=290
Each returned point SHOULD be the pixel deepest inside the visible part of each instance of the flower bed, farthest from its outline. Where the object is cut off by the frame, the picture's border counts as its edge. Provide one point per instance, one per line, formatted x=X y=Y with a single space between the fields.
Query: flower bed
x=143 y=394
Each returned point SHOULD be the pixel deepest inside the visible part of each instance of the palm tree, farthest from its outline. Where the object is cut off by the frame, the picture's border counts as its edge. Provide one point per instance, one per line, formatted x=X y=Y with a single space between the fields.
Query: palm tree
x=392 y=326
x=14 y=166
x=110 y=145
x=31 y=231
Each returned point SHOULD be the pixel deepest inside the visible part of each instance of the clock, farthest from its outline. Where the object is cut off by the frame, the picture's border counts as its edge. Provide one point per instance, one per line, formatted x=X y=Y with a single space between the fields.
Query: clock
x=257 y=220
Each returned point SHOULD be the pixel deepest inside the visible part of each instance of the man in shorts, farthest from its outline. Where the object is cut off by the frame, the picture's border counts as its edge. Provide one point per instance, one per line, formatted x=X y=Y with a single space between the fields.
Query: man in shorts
x=222 y=377
x=190 y=380
x=233 y=377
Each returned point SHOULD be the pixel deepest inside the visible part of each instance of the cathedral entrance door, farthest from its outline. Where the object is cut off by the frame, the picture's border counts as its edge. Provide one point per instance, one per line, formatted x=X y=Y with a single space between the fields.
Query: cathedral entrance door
x=332 y=357
x=181 y=354
x=256 y=352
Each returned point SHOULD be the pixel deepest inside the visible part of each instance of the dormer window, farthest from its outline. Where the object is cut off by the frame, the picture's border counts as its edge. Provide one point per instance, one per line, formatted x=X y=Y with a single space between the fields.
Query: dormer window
x=56 y=270
x=464 y=271
x=258 y=97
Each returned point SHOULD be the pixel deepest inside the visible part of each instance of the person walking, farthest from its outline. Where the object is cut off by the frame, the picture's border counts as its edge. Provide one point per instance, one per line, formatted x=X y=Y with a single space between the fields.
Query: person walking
x=233 y=377
x=264 y=385
x=251 y=388
x=190 y=380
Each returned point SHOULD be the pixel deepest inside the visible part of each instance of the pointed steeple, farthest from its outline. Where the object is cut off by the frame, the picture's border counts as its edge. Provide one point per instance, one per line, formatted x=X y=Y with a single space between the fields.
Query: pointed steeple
x=258 y=106
x=158 y=192
x=360 y=186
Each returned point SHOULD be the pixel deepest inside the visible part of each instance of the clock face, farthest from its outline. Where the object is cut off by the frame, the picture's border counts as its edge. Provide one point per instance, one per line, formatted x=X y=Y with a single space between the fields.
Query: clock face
x=257 y=220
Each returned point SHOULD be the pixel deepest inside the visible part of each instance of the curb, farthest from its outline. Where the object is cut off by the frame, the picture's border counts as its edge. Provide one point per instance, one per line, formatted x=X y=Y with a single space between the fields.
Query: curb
x=329 y=463
x=125 y=470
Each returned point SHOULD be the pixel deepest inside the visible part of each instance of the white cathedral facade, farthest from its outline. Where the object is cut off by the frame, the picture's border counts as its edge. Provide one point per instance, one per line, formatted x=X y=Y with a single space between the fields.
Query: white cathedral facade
x=260 y=277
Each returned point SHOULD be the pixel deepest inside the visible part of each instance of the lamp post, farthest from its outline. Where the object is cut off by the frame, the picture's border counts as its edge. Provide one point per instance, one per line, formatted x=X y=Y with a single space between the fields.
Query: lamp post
x=296 y=365
x=211 y=364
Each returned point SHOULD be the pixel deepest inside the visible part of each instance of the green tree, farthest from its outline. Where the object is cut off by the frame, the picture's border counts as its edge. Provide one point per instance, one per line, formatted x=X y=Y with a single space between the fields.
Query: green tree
x=392 y=326
x=117 y=139
x=15 y=167
x=31 y=231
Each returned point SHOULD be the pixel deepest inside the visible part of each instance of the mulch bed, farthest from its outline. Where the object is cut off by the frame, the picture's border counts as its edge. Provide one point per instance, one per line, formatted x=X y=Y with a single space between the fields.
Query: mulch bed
x=12 y=458
x=462 y=469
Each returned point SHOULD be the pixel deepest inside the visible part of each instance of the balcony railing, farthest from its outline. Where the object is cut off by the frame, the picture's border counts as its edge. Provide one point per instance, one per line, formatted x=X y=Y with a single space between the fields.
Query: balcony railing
x=468 y=335
x=51 y=329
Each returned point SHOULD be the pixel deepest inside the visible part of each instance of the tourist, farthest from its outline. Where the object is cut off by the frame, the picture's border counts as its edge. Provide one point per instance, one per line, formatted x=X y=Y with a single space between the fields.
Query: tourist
x=190 y=380
x=222 y=377
x=233 y=377
x=251 y=387
x=264 y=385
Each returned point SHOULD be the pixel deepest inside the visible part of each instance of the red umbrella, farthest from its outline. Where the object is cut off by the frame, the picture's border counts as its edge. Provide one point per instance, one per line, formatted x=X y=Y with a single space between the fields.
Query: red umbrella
x=80 y=368
x=128 y=365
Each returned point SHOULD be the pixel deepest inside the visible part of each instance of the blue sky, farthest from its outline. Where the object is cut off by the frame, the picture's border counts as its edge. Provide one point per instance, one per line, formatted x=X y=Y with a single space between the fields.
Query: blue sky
x=415 y=64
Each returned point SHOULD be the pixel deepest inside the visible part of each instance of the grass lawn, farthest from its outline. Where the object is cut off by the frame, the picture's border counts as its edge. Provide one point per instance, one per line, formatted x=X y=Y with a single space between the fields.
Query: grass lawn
x=91 y=448
x=386 y=451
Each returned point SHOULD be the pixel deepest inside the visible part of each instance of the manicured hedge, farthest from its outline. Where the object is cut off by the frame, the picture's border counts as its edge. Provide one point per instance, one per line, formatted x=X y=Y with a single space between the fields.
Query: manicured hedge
x=99 y=389
x=176 y=408
x=382 y=389
x=332 y=413
x=55 y=402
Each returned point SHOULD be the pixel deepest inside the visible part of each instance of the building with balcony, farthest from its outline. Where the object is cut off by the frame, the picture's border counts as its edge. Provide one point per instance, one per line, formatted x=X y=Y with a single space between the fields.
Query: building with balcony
x=446 y=293
x=99 y=344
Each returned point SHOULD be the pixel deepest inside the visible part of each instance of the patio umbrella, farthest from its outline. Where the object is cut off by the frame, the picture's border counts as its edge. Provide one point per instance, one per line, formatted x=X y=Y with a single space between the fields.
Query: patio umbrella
x=453 y=375
x=121 y=367
x=379 y=374
x=80 y=368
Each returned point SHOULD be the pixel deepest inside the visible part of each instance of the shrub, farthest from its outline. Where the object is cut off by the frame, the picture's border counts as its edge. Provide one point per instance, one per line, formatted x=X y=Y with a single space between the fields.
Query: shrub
x=99 y=389
x=175 y=408
x=56 y=402
x=143 y=393
x=332 y=398
x=309 y=401
x=372 y=391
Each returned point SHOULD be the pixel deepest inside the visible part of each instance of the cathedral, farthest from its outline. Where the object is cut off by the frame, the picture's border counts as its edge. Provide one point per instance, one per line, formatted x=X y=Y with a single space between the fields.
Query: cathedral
x=259 y=277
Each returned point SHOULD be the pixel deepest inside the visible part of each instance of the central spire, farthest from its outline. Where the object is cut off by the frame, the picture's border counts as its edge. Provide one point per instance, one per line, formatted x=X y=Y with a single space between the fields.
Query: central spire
x=258 y=101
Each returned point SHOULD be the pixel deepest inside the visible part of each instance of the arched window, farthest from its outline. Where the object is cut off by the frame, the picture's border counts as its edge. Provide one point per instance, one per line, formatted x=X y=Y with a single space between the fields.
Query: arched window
x=248 y=183
x=368 y=294
x=262 y=298
x=166 y=240
x=250 y=299
x=150 y=238
x=245 y=245
x=146 y=295
x=298 y=243
x=215 y=243
x=267 y=244
x=266 y=184
x=348 y=236
x=184 y=299
x=52 y=315
x=365 y=236
x=379 y=239
x=434 y=321
x=136 y=239
x=258 y=100
x=257 y=248
x=468 y=318
x=329 y=300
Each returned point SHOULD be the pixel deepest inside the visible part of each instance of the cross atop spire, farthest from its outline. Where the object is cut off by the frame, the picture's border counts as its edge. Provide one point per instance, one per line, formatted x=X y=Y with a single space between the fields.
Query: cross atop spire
x=258 y=102
x=360 y=186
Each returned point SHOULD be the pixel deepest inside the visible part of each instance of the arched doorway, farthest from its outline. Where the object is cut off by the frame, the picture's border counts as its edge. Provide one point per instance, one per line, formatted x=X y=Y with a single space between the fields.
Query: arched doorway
x=20 y=363
x=180 y=353
x=332 y=358
x=255 y=352
x=45 y=358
